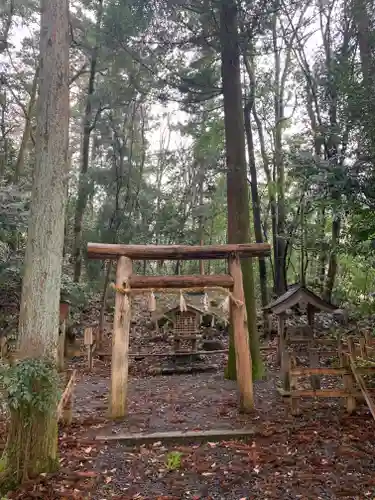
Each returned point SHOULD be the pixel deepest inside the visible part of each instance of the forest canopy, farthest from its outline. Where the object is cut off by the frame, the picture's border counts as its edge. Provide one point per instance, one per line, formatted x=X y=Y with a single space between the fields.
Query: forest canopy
x=147 y=143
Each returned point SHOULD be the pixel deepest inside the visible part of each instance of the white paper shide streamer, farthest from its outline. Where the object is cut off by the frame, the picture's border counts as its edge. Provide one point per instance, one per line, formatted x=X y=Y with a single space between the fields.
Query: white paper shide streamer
x=183 y=307
x=126 y=304
x=152 y=302
x=225 y=305
x=206 y=303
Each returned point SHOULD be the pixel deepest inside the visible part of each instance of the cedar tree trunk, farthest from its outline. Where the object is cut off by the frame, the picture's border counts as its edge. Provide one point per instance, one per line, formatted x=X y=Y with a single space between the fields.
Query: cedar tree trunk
x=237 y=189
x=32 y=446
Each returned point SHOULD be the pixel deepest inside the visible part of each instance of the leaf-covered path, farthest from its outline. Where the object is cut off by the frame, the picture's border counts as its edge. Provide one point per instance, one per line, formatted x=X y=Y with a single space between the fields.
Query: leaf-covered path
x=324 y=454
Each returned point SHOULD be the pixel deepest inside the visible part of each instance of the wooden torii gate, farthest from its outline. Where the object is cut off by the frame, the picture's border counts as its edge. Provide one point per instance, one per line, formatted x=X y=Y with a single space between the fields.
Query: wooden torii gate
x=128 y=283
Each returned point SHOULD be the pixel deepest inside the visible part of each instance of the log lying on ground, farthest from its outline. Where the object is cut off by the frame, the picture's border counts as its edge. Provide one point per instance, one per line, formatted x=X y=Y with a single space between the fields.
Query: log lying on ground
x=165 y=354
x=171 y=370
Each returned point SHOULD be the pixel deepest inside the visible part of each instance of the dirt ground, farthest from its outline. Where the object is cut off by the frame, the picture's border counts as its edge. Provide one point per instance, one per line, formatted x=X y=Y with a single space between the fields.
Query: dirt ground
x=323 y=454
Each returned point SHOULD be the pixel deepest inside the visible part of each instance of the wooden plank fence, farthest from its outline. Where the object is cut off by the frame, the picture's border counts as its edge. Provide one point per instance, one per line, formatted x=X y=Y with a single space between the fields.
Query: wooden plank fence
x=348 y=355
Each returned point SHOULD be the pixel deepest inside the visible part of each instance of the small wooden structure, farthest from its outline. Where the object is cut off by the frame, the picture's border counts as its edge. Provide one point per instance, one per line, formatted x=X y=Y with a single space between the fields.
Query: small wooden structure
x=64 y=314
x=185 y=325
x=355 y=359
x=307 y=301
x=65 y=406
x=3 y=346
x=88 y=340
x=182 y=321
x=128 y=283
x=301 y=296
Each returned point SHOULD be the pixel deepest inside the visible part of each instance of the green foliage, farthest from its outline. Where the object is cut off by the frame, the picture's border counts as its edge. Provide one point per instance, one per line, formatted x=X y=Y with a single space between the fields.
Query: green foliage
x=355 y=283
x=76 y=293
x=29 y=386
x=173 y=460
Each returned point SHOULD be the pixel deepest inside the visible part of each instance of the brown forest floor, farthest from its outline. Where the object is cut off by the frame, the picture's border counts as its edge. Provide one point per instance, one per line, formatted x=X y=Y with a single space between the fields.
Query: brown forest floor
x=322 y=454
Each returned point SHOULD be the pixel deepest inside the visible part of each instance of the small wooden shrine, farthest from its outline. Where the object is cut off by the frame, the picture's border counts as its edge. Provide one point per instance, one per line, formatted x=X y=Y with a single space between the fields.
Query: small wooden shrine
x=187 y=321
x=301 y=296
x=185 y=324
x=309 y=303
x=306 y=300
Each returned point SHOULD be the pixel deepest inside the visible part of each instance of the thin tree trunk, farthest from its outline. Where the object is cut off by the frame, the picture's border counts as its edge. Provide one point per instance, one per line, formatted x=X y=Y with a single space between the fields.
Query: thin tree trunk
x=201 y=217
x=237 y=188
x=32 y=440
x=280 y=267
x=365 y=36
x=7 y=25
x=331 y=149
x=332 y=262
x=303 y=246
x=255 y=202
x=20 y=163
x=322 y=253
x=3 y=139
x=362 y=15
x=88 y=126
x=266 y=167
x=104 y=305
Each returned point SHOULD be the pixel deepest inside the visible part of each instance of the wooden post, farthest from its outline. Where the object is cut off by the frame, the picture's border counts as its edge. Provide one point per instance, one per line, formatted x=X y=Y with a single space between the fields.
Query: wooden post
x=194 y=345
x=282 y=339
x=363 y=347
x=67 y=410
x=267 y=325
x=63 y=316
x=176 y=344
x=3 y=347
x=348 y=379
x=367 y=338
x=120 y=341
x=88 y=341
x=241 y=338
x=285 y=367
x=313 y=357
x=61 y=347
x=351 y=347
x=314 y=363
x=295 y=410
x=311 y=317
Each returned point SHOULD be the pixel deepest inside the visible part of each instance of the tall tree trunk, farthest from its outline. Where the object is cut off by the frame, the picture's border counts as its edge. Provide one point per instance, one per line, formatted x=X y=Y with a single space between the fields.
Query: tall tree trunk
x=362 y=15
x=19 y=168
x=237 y=188
x=331 y=150
x=32 y=441
x=266 y=166
x=303 y=254
x=88 y=126
x=255 y=201
x=4 y=35
x=332 y=262
x=322 y=259
x=3 y=137
x=280 y=267
x=201 y=223
x=103 y=306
